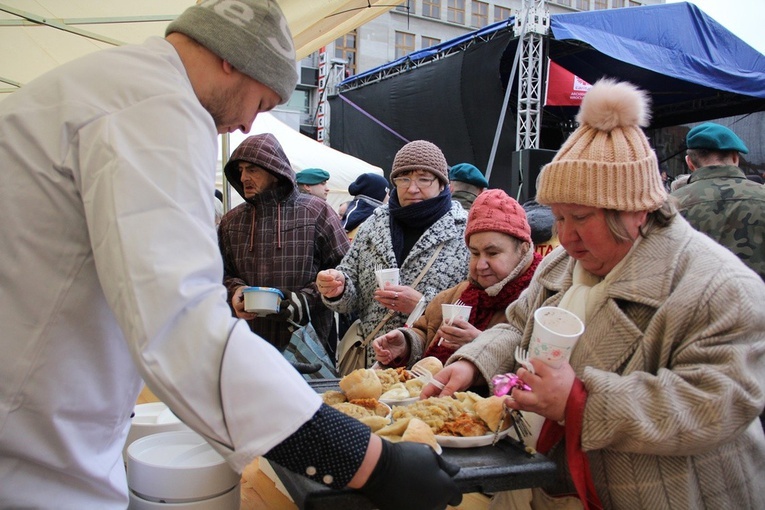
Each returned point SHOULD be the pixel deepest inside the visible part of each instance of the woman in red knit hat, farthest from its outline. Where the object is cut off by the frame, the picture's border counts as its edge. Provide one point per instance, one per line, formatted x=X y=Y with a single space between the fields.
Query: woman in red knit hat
x=502 y=262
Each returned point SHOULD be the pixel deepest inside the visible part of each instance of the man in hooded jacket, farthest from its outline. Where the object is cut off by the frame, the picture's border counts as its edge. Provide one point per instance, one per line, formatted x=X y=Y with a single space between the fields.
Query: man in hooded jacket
x=278 y=238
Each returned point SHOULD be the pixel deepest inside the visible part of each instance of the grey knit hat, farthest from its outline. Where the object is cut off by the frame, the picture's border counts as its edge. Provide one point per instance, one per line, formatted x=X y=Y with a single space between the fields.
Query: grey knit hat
x=421 y=155
x=252 y=35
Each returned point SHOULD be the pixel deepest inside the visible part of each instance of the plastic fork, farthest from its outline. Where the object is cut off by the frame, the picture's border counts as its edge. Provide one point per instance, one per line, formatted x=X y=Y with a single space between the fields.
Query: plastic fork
x=416 y=313
x=459 y=302
x=426 y=377
x=522 y=357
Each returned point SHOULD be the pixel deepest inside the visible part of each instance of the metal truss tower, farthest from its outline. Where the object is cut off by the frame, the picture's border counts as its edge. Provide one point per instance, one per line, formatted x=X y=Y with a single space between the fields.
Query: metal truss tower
x=531 y=27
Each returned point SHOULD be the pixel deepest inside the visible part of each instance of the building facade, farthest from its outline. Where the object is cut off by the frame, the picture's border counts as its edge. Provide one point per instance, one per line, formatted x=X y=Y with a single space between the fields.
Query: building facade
x=412 y=25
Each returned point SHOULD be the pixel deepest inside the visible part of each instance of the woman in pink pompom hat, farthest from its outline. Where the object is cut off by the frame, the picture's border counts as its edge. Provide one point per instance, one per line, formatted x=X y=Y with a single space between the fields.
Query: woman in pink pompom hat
x=657 y=406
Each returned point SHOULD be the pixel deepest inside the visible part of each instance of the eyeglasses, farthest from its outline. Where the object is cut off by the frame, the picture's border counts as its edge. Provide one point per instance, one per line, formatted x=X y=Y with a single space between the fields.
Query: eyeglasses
x=420 y=182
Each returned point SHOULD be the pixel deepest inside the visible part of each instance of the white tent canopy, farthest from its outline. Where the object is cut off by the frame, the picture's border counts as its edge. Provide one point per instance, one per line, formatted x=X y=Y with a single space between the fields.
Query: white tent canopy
x=304 y=152
x=38 y=35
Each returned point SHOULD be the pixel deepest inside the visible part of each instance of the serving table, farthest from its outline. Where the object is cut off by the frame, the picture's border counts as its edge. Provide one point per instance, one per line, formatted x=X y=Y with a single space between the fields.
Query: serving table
x=487 y=469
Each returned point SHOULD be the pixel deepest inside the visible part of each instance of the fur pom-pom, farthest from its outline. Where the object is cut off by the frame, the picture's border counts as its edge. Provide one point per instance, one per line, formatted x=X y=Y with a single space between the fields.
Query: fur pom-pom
x=610 y=104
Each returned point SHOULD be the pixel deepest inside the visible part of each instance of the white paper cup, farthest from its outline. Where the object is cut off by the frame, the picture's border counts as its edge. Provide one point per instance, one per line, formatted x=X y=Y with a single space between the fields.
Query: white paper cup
x=384 y=276
x=555 y=332
x=451 y=312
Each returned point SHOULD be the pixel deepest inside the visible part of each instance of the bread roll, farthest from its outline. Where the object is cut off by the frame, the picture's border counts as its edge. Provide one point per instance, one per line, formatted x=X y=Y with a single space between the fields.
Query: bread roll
x=431 y=364
x=420 y=432
x=361 y=383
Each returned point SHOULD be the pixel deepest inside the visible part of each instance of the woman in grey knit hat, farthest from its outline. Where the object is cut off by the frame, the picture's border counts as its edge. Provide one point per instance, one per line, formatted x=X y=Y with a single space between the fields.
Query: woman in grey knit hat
x=419 y=217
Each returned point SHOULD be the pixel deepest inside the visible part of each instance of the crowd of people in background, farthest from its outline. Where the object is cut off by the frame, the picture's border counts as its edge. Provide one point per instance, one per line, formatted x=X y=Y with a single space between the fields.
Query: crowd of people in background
x=601 y=250
x=594 y=254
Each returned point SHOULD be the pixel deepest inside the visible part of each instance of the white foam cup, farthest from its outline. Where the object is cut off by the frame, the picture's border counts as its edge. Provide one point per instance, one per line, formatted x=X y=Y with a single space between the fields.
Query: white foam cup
x=451 y=312
x=384 y=276
x=262 y=300
x=554 y=335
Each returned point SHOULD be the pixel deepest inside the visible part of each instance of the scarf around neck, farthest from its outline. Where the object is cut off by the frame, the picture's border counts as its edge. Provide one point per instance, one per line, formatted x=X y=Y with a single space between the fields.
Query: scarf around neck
x=418 y=216
x=485 y=305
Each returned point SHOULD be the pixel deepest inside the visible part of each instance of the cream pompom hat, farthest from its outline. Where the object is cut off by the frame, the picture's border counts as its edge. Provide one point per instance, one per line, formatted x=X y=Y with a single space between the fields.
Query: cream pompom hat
x=607 y=161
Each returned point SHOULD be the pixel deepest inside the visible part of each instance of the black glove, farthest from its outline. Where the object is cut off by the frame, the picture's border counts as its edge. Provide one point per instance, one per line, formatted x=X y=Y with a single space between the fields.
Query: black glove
x=411 y=476
x=294 y=307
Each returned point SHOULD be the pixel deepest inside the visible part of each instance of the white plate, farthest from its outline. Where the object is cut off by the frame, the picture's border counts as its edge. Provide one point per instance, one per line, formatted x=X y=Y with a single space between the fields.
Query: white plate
x=468 y=442
x=177 y=466
x=402 y=402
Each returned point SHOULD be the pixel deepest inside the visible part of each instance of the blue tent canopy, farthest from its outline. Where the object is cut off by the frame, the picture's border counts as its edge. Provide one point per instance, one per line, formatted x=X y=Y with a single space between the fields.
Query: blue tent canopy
x=676 y=40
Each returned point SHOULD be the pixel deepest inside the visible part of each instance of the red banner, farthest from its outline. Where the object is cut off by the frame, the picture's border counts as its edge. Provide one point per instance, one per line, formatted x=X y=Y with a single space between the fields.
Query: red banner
x=564 y=88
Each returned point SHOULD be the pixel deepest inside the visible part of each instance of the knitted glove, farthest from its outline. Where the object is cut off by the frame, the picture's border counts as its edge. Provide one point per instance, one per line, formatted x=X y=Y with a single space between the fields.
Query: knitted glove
x=294 y=307
x=411 y=476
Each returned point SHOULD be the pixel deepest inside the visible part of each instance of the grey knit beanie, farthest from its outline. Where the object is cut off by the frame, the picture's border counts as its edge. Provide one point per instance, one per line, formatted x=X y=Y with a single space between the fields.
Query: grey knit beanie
x=252 y=35
x=421 y=155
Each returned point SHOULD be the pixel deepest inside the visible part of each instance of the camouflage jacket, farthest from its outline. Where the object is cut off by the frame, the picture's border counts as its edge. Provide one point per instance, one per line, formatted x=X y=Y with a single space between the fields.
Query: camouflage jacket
x=722 y=203
x=465 y=198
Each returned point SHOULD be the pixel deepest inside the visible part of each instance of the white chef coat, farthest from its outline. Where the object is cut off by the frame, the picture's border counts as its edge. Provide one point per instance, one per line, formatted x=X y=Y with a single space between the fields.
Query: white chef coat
x=110 y=273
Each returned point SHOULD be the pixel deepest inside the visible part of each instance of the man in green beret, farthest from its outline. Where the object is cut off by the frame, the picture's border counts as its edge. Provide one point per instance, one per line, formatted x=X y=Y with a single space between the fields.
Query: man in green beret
x=719 y=200
x=314 y=182
x=466 y=183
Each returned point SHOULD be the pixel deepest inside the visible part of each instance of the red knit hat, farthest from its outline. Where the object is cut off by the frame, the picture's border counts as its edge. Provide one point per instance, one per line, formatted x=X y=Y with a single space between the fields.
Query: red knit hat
x=495 y=211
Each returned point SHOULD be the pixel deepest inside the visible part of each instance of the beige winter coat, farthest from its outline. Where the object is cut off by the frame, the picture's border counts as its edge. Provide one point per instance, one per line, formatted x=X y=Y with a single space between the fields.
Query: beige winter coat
x=674 y=367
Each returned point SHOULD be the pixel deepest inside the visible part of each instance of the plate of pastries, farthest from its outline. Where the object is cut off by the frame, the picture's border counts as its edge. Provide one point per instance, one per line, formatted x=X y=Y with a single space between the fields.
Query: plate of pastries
x=388 y=401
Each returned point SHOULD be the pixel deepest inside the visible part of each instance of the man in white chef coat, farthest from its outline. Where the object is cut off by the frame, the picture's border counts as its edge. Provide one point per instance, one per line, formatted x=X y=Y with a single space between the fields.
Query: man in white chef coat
x=110 y=274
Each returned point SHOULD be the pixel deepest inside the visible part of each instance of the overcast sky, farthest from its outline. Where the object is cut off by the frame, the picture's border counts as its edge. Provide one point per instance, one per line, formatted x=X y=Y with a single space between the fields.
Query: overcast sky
x=745 y=18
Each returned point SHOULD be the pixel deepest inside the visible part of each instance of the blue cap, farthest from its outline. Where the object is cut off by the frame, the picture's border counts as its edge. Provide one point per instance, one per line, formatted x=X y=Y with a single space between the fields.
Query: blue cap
x=370 y=185
x=465 y=172
x=714 y=137
x=312 y=176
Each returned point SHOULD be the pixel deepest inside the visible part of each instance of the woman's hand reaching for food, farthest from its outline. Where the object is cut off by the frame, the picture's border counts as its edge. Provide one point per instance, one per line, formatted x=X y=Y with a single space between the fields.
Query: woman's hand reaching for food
x=390 y=346
x=458 y=376
x=330 y=283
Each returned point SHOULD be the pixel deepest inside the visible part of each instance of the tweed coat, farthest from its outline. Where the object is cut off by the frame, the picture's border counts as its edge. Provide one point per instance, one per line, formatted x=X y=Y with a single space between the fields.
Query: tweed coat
x=673 y=362
x=373 y=245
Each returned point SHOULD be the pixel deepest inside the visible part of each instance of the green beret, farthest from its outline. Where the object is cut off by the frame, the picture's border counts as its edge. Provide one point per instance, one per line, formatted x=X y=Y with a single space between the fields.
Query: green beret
x=465 y=172
x=311 y=176
x=714 y=137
